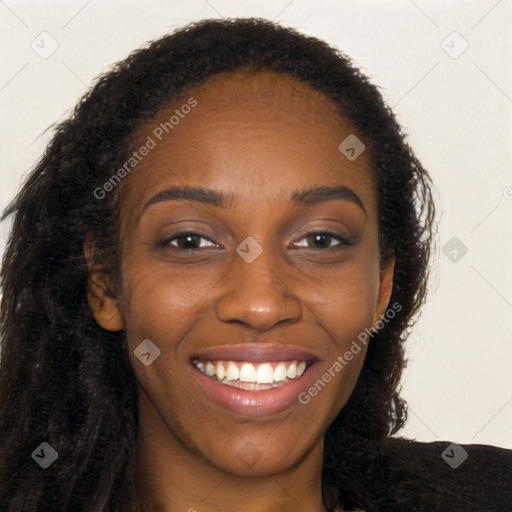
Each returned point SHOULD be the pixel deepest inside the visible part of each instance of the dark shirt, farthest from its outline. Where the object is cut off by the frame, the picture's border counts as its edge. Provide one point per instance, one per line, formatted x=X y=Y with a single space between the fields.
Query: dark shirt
x=395 y=474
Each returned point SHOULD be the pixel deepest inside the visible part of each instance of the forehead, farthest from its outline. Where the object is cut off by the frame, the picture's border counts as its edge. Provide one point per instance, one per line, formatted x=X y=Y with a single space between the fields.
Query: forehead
x=254 y=135
x=265 y=95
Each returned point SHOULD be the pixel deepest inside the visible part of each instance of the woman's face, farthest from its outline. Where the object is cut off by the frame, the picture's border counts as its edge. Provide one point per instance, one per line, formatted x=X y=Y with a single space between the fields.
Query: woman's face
x=249 y=289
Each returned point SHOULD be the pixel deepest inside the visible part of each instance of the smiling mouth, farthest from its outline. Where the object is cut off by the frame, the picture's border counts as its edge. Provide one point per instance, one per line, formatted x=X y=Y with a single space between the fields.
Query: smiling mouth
x=253 y=376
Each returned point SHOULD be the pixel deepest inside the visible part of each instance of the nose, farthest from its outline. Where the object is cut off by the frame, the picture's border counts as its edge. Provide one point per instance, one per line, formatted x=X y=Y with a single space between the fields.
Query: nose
x=257 y=294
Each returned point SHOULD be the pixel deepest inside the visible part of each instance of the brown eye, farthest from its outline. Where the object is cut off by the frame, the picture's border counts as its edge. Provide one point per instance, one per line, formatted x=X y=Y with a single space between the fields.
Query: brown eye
x=185 y=241
x=323 y=240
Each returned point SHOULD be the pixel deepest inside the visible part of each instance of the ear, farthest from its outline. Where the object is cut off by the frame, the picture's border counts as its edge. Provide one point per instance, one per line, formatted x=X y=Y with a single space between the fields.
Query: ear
x=385 y=290
x=101 y=298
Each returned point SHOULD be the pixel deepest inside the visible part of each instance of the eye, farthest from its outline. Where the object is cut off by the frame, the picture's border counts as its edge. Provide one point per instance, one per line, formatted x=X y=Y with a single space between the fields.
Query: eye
x=185 y=241
x=189 y=240
x=323 y=239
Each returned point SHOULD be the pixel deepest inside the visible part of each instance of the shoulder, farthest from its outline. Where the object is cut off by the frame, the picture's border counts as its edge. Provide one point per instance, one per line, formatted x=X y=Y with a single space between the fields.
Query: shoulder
x=463 y=477
x=401 y=474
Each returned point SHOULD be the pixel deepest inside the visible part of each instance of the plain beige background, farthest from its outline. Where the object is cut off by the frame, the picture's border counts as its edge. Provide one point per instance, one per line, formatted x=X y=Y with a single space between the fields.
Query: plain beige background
x=443 y=66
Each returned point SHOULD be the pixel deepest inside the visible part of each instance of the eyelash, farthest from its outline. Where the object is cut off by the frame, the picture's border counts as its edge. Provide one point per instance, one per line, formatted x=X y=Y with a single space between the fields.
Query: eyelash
x=165 y=243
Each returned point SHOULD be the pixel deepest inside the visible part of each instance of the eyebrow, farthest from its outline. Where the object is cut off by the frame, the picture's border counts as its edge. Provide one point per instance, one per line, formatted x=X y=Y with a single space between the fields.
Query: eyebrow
x=298 y=197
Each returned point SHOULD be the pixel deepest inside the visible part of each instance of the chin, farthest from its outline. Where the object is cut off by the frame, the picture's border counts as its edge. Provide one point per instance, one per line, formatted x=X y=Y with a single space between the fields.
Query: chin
x=255 y=457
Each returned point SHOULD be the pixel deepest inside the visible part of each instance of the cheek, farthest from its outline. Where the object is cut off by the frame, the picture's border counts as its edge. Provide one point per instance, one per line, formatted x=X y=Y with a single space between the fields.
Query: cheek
x=342 y=304
x=158 y=300
x=345 y=302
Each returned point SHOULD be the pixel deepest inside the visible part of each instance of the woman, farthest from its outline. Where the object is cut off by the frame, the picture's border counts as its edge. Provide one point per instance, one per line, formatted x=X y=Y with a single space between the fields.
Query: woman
x=207 y=291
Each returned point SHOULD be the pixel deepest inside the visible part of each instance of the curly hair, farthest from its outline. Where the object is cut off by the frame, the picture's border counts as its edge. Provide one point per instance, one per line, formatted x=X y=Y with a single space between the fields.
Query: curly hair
x=65 y=380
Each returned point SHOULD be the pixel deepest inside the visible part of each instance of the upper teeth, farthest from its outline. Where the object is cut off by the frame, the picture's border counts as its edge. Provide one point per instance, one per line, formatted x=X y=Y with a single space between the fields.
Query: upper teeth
x=261 y=373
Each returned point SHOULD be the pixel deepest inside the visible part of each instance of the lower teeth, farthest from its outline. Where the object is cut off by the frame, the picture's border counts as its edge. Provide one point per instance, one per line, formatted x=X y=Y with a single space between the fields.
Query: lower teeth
x=251 y=386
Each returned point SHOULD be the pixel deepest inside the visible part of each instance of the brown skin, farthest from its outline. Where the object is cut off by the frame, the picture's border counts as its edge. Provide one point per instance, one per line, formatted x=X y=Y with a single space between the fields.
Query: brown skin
x=257 y=136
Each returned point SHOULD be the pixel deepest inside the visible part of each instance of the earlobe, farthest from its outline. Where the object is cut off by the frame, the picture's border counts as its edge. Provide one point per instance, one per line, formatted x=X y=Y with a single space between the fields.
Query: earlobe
x=103 y=303
x=385 y=291
x=104 y=307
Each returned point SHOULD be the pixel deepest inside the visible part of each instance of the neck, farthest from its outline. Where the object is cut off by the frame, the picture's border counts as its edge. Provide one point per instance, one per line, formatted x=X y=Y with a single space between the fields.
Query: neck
x=171 y=477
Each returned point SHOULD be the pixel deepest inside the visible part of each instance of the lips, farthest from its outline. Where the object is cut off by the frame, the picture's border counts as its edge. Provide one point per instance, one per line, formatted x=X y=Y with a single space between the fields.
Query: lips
x=248 y=388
